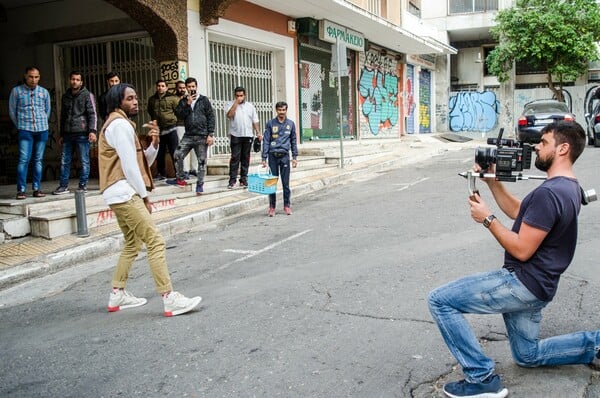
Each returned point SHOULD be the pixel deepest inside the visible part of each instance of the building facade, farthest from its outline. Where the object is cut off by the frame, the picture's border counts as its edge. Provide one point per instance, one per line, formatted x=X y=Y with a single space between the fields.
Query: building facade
x=361 y=69
x=475 y=102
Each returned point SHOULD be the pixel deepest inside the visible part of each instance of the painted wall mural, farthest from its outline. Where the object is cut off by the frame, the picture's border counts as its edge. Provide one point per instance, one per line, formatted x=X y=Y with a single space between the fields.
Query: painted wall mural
x=425 y=101
x=473 y=111
x=378 y=95
x=410 y=99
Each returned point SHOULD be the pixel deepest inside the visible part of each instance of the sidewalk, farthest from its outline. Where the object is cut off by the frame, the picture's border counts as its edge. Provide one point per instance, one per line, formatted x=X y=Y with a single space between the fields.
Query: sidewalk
x=26 y=258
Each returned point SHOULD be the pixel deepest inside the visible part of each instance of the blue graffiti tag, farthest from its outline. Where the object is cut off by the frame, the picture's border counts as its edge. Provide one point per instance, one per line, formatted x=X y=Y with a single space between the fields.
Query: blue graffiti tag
x=379 y=92
x=470 y=111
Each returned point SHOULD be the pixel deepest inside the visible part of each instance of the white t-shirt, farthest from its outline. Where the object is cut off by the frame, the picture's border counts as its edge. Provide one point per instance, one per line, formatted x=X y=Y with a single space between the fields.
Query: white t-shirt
x=245 y=116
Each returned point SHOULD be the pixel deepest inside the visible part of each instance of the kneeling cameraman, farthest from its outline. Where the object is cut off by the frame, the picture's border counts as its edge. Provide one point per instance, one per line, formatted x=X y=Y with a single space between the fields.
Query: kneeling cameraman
x=538 y=249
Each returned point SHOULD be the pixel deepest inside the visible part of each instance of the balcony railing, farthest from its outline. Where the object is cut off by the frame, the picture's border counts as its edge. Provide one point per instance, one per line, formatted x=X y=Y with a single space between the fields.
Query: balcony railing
x=471 y=6
x=374 y=7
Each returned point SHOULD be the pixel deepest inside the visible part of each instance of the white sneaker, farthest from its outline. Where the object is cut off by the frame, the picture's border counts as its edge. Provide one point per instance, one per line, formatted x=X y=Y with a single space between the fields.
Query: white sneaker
x=122 y=299
x=177 y=304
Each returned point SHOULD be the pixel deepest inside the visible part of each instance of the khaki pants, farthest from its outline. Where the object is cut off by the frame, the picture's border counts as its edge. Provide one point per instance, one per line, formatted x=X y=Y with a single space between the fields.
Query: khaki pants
x=137 y=227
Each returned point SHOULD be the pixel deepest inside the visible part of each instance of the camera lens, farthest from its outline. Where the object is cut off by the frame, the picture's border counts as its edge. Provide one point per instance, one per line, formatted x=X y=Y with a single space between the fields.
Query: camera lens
x=485 y=157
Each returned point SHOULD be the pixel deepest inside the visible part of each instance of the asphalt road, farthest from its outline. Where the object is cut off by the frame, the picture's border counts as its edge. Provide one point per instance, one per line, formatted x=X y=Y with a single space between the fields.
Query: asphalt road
x=328 y=302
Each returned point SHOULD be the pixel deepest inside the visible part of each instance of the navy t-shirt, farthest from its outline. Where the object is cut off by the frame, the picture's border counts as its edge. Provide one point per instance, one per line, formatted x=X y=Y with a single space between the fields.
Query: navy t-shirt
x=553 y=207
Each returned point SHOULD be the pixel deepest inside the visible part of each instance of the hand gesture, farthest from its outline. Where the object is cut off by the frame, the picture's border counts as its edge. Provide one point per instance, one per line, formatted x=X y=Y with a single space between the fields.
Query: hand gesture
x=154 y=132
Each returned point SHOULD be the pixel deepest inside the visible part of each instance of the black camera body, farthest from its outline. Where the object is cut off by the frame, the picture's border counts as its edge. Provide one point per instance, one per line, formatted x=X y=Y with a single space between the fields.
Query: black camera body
x=509 y=156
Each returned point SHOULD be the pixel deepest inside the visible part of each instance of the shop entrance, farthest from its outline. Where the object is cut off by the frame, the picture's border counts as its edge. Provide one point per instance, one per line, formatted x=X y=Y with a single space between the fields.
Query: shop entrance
x=232 y=66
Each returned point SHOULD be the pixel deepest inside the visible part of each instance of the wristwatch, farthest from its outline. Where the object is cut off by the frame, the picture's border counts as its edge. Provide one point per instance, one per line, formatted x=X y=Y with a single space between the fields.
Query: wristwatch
x=488 y=220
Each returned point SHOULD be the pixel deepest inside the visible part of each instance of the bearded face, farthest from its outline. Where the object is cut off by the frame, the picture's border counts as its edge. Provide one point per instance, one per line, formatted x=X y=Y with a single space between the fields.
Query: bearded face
x=544 y=163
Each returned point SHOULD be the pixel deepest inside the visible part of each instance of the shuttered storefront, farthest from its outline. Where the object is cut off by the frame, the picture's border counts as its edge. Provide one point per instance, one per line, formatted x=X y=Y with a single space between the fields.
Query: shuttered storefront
x=232 y=66
x=132 y=57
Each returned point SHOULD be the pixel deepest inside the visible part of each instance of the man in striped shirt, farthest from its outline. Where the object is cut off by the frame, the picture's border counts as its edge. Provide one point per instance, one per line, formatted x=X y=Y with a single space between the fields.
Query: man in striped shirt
x=29 y=109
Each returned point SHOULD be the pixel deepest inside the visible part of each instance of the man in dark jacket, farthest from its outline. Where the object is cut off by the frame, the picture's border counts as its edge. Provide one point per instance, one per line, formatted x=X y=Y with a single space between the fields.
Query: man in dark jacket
x=279 y=139
x=77 y=129
x=161 y=107
x=199 y=117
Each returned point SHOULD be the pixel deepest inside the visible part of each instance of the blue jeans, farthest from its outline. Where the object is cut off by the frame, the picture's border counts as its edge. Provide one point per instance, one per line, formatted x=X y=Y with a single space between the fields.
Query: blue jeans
x=83 y=149
x=280 y=166
x=500 y=292
x=31 y=143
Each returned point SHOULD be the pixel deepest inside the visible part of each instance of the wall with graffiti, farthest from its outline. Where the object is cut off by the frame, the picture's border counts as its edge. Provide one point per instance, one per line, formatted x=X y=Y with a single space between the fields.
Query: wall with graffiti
x=409 y=99
x=473 y=111
x=479 y=112
x=378 y=95
x=425 y=101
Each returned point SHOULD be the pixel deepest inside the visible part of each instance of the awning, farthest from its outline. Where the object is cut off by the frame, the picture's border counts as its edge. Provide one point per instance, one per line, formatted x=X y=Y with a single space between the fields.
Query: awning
x=374 y=28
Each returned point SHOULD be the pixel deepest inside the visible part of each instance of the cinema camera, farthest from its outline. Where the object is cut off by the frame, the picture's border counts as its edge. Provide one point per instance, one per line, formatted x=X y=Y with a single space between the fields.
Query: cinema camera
x=511 y=158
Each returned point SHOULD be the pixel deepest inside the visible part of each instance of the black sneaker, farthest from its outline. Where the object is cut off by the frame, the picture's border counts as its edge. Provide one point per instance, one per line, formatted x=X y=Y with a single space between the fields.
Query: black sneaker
x=231 y=185
x=82 y=188
x=490 y=388
x=61 y=191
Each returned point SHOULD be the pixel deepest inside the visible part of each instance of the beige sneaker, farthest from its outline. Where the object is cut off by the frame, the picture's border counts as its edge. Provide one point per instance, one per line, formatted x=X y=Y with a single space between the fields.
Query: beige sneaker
x=122 y=299
x=177 y=304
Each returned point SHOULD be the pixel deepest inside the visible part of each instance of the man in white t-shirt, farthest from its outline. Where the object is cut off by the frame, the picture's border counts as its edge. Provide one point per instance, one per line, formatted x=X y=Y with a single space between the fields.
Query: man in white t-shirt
x=243 y=122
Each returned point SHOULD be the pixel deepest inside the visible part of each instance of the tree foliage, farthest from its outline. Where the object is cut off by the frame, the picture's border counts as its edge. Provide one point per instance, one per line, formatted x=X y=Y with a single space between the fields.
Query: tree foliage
x=558 y=36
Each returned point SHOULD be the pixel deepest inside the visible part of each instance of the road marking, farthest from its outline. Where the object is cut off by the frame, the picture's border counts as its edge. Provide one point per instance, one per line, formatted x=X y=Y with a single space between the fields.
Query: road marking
x=252 y=253
x=239 y=251
x=410 y=184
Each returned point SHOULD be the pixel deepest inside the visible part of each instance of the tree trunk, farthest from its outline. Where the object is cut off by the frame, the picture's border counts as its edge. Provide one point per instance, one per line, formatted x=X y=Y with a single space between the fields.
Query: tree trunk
x=557 y=93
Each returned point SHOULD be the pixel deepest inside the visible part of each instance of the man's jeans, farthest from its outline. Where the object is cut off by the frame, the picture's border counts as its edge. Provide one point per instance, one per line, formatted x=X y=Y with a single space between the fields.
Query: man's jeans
x=500 y=292
x=168 y=142
x=186 y=144
x=240 y=156
x=279 y=163
x=82 y=143
x=191 y=161
x=31 y=143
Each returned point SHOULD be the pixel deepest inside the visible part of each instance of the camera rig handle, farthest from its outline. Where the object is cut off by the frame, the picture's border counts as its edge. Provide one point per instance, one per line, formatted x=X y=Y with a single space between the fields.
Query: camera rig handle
x=472 y=176
x=587 y=196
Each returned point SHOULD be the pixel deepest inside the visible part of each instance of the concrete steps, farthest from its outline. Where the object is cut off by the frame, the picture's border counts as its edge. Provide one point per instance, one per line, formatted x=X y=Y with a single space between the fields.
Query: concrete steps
x=55 y=216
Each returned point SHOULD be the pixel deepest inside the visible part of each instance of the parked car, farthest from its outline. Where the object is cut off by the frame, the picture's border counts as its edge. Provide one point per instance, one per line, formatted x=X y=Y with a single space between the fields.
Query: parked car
x=537 y=114
x=593 y=126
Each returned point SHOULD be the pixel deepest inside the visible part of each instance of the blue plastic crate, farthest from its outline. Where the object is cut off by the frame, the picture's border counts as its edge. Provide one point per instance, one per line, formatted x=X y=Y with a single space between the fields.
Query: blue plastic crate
x=265 y=184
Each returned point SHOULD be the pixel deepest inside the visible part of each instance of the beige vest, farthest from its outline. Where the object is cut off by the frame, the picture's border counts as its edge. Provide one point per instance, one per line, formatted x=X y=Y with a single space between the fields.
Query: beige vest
x=109 y=164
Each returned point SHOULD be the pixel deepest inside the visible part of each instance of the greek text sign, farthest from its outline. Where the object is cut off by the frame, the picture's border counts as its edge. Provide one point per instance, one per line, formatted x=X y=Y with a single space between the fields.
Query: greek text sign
x=330 y=32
